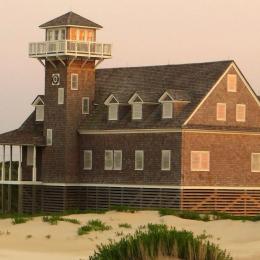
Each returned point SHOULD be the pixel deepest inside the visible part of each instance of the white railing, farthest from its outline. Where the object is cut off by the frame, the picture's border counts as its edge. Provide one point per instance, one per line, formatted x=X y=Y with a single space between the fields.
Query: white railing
x=52 y=48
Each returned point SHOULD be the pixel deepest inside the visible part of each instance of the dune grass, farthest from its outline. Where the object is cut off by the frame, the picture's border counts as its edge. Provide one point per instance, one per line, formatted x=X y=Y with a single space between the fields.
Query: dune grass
x=54 y=219
x=19 y=219
x=124 y=225
x=93 y=225
x=159 y=242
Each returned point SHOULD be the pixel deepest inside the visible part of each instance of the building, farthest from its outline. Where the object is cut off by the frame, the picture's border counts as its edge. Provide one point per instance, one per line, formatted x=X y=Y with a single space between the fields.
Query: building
x=176 y=136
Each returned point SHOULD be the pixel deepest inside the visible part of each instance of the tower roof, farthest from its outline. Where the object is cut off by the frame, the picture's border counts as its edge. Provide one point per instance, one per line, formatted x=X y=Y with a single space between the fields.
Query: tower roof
x=70 y=19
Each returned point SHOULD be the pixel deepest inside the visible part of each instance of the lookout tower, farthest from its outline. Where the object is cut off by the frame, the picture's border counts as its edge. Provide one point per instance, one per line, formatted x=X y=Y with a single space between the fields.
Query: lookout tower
x=70 y=55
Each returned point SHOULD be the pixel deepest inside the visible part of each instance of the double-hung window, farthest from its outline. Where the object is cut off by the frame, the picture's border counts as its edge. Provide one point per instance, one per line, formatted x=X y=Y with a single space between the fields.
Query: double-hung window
x=166 y=160
x=74 y=81
x=113 y=160
x=88 y=160
x=139 y=160
x=200 y=161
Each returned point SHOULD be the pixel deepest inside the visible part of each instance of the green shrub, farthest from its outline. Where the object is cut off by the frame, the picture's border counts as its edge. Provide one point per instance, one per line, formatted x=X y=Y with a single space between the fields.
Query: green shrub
x=159 y=241
x=124 y=225
x=53 y=220
x=93 y=225
x=19 y=219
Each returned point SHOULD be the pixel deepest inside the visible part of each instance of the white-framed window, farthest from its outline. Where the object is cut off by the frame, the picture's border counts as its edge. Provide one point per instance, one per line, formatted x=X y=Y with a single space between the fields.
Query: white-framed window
x=232 y=83
x=255 y=162
x=113 y=112
x=49 y=137
x=137 y=111
x=221 y=111
x=85 y=105
x=29 y=156
x=166 y=160
x=60 y=96
x=88 y=160
x=167 y=109
x=240 y=112
x=200 y=160
x=139 y=160
x=39 y=113
x=74 y=81
x=56 y=34
x=113 y=160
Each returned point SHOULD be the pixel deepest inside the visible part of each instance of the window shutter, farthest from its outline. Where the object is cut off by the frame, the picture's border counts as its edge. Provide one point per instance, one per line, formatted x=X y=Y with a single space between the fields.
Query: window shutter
x=74 y=81
x=29 y=156
x=166 y=160
x=60 y=96
x=49 y=137
x=88 y=160
x=139 y=160
x=221 y=111
x=255 y=162
x=167 y=110
x=232 y=82
x=85 y=105
x=137 y=111
x=113 y=112
x=108 y=160
x=240 y=113
x=118 y=160
x=39 y=113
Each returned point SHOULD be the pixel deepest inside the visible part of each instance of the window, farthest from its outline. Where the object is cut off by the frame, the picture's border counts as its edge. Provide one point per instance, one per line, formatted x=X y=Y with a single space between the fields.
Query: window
x=113 y=160
x=85 y=105
x=200 y=161
x=49 y=137
x=74 y=81
x=29 y=158
x=221 y=111
x=166 y=160
x=137 y=111
x=39 y=110
x=63 y=34
x=113 y=112
x=167 y=110
x=232 y=83
x=87 y=160
x=255 y=162
x=56 y=35
x=240 y=113
x=60 y=96
x=139 y=160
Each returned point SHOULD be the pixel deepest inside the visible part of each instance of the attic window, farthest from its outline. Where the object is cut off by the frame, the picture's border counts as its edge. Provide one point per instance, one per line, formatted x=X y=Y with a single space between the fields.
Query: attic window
x=232 y=83
x=137 y=106
x=39 y=113
x=113 y=105
x=167 y=110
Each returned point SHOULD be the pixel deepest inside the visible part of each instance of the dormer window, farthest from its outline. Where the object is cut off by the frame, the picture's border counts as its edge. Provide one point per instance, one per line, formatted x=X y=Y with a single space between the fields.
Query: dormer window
x=167 y=105
x=38 y=103
x=137 y=107
x=112 y=105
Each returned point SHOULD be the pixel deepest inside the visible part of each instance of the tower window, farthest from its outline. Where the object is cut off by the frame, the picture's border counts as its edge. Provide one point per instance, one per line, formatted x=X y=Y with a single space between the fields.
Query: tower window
x=49 y=137
x=85 y=105
x=39 y=110
x=74 y=81
x=60 y=96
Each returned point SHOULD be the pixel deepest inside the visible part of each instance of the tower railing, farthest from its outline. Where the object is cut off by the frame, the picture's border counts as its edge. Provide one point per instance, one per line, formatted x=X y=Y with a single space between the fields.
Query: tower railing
x=68 y=47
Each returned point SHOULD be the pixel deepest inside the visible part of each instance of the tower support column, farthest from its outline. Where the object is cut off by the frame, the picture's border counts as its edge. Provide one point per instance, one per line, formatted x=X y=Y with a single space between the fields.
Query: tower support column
x=19 y=178
x=3 y=164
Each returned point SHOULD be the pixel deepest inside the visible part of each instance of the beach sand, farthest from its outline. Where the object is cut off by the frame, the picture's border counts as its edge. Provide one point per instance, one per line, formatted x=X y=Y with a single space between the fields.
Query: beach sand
x=241 y=239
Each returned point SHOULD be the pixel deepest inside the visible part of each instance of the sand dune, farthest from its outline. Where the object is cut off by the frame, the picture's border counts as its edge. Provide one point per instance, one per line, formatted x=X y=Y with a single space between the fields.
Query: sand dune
x=241 y=239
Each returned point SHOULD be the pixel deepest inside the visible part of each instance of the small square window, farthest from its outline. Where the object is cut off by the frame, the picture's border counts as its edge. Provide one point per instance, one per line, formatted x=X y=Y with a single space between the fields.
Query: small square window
x=232 y=83
x=74 y=81
x=200 y=161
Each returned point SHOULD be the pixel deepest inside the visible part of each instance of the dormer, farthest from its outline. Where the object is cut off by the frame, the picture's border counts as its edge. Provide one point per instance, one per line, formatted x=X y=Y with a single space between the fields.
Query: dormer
x=38 y=103
x=112 y=104
x=137 y=106
x=167 y=105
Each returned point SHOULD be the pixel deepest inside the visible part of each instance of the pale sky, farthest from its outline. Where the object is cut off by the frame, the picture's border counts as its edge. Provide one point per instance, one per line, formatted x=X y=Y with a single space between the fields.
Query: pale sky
x=143 y=32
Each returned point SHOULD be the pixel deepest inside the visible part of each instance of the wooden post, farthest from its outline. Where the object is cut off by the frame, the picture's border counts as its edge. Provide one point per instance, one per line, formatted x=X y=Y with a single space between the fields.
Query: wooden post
x=20 y=164
x=3 y=164
x=10 y=163
x=34 y=165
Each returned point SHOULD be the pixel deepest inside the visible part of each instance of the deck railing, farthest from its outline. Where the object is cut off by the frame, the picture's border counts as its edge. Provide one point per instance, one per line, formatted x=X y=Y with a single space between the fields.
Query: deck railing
x=67 y=47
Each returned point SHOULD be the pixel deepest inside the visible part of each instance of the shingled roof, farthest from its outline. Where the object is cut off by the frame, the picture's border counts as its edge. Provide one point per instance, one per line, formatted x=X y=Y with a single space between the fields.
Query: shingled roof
x=70 y=19
x=191 y=81
x=30 y=133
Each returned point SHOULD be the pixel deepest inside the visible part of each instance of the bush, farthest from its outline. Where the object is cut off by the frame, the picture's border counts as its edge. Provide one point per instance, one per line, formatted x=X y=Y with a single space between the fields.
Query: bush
x=159 y=241
x=53 y=220
x=185 y=214
x=124 y=225
x=19 y=219
x=93 y=225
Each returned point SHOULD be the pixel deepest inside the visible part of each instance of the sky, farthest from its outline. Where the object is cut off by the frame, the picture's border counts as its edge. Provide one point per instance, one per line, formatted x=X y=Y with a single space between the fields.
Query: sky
x=143 y=32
